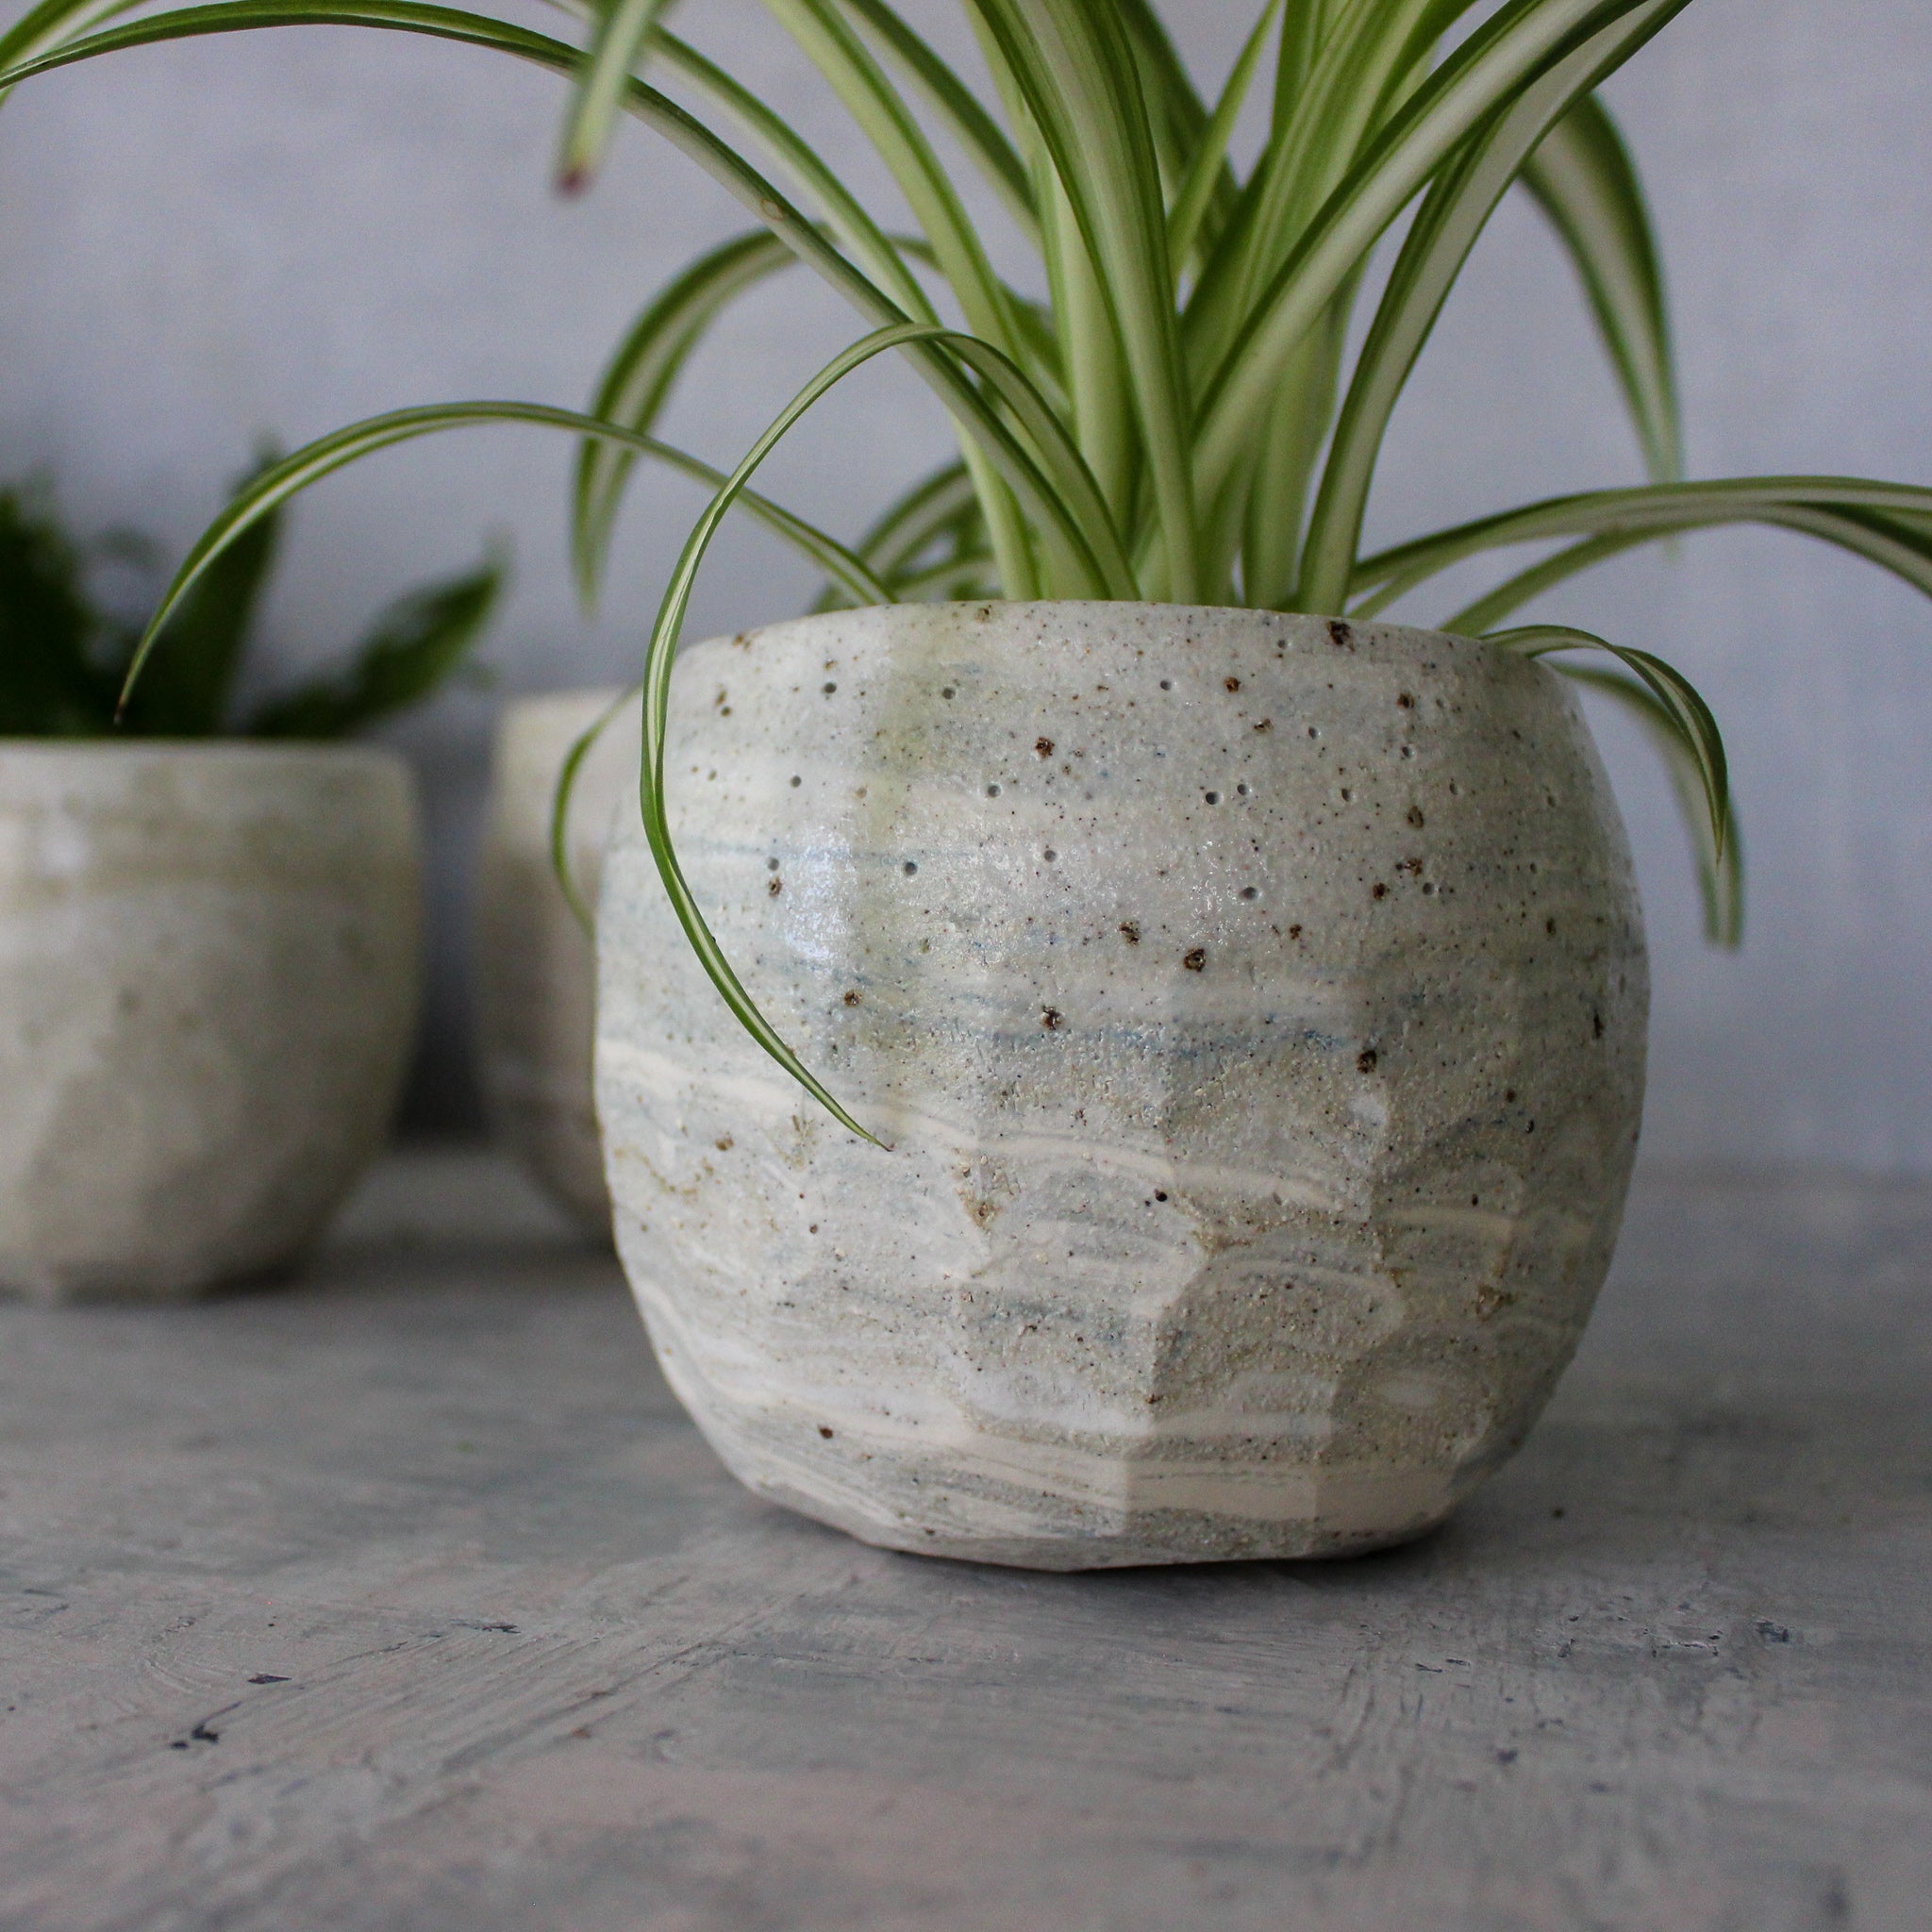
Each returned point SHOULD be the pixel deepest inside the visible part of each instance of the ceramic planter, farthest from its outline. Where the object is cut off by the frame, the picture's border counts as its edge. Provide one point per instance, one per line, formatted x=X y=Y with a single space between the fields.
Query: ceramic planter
x=1254 y=1007
x=536 y=973
x=208 y=967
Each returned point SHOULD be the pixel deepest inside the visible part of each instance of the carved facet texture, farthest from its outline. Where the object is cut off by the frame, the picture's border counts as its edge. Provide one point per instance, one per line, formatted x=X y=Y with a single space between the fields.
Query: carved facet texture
x=1254 y=1007
x=536 y=973
x=209 y=977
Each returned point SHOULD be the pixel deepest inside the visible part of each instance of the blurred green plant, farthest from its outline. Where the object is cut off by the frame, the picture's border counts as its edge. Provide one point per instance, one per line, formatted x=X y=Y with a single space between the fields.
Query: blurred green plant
x=1177 y=406
x=64 y=657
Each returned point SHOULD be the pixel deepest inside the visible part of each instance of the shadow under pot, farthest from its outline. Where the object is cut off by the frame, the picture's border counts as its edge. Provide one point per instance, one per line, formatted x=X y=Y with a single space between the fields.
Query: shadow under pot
x=536 y=971
x=208 y=982
x=1251 y=1009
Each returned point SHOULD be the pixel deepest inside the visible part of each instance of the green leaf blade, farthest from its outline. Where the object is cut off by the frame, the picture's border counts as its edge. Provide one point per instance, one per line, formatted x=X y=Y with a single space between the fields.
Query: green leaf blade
x=1208 y=170
x=976 y=131
x=623 y=29
x=639 y=379
x=1074 y=63
x=1451 y=220
x=1689 y=718
x=1889 y=523
x=1586 y=183
x=309 y=465
x=191 y=682
x=1719 y=871
x=1483 y=75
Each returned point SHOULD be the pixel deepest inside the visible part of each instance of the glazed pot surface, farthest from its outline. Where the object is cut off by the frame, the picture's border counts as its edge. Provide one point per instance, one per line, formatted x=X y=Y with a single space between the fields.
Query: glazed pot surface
x=1254 y=1007
x=209 y=973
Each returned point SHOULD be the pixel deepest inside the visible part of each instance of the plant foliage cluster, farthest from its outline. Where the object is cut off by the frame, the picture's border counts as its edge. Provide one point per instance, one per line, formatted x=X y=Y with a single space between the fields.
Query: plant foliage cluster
x=1170 y=406
x=65 y=657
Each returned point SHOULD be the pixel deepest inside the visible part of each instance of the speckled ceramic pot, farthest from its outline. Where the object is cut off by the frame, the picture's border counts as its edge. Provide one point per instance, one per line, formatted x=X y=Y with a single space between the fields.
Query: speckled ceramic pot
x=1254 y=1009
x=536 y=973
x=207 y=991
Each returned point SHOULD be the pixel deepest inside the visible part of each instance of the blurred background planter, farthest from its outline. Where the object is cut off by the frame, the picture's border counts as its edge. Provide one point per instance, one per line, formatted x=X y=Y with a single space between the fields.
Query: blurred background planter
x=535 y=972
x=210 y=963
x=1254 y=1009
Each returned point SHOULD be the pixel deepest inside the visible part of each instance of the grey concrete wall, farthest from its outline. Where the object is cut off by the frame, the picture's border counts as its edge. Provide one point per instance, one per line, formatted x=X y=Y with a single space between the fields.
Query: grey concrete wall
x=202 y=243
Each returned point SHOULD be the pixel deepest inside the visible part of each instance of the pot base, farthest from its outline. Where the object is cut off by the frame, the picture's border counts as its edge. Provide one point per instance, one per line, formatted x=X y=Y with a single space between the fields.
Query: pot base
x=1265 y=1516
x=139 y=1285
x=1190 y=1541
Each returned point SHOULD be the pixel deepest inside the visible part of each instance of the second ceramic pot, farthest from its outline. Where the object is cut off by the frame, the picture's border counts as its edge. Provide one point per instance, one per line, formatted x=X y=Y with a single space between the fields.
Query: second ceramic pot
x=1253 y=1008
x=208 y=981
x=536 y=973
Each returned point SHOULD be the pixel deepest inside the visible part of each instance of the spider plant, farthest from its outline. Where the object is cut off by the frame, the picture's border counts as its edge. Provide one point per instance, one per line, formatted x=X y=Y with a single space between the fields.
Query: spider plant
x=64 y=660
x=1170 y=409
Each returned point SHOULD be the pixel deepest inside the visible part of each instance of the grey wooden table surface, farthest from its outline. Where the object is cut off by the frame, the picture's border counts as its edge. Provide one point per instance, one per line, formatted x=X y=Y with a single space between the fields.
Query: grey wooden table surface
x=404 y=1597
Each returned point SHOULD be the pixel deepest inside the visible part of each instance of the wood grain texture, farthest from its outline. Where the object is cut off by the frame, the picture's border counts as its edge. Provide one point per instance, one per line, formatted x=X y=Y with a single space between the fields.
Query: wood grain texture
x=406 y=1597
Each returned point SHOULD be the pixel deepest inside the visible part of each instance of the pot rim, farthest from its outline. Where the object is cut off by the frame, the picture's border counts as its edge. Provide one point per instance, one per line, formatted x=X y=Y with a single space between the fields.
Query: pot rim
x=1252 y=612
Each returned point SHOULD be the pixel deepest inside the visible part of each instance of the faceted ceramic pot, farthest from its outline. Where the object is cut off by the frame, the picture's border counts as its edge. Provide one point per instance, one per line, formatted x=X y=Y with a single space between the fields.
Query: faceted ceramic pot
x=535 y=972
x=209 y=973
x=1253 y=1009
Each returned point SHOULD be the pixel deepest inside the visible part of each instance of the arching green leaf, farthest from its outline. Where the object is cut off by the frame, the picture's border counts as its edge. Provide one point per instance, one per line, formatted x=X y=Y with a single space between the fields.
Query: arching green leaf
x=1483 y=75
x=978 y=132
x=638 y=382
x=265 y=492
x=1071 y=60
x=1719 y=872
x=1583 y=180
x=659 y=656
x=1453 y=215
x=1888 y=523
x=621 y=28
x=1208 y=170
x=1687 y=717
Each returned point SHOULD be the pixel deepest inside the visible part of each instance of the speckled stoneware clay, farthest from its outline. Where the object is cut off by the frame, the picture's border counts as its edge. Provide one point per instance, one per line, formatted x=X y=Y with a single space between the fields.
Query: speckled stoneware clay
x=536 y=973
x=1254 y=1007
x=208 y=993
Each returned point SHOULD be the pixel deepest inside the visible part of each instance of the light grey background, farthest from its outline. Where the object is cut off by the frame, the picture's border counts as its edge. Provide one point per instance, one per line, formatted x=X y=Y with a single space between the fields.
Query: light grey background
x=202 y=243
